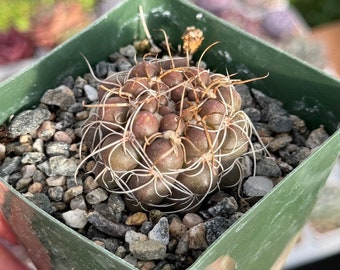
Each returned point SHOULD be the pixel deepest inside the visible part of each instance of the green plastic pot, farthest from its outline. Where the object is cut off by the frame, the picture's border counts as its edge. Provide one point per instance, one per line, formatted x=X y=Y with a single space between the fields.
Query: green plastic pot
x=257 y=239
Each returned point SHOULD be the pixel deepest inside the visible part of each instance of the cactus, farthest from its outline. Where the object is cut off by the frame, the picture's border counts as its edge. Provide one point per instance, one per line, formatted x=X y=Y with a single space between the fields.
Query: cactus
x=166 y=133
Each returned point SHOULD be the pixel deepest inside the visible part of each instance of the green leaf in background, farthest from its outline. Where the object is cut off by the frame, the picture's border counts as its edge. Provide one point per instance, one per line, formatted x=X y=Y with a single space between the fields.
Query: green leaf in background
x=19 y=14
x=317 y=12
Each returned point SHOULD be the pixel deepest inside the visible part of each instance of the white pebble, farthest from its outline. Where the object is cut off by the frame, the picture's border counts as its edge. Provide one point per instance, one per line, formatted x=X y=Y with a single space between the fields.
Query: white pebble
x=91 y=92
x=75 y=218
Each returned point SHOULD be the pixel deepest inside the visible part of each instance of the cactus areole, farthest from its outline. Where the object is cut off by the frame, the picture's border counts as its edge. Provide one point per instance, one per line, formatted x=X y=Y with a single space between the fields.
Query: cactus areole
x=166 y=133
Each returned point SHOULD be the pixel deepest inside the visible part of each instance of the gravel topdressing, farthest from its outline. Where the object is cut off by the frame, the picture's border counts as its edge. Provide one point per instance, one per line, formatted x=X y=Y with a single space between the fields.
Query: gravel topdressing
x=42 y=155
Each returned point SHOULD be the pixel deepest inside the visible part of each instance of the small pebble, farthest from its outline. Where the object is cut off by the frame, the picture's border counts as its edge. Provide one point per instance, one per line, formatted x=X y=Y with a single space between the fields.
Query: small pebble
x=68 y=81
x=2 y=151
x=23 y=183
x=131 y=236
x=89 y=184
x=57 y=149
x=39 y=176
x=71 y=193
x=120 y=252
x=253 y=113
x=247 y=99
x=46 y=130
x=28 y=170
x=23 y=148
x=146 y=227
x=128 y=51
x=279 y=141
x=56 y=193
x=42 y=201
x=83 y=115
x=38 y=145
x=96 y=196
x=62 y=136
x=268 y=167
x=215 y=227
x=35 y=187
x=316 y=138
x=61 y=96
x=44 y=167
x=109 y=227
x=183 y=245
x=26 y=139
x=160 y=231
x=28 y=121
x=257 y=186
x=91 y=92
x=75 y=218
x=131 y=259
x=33 y=158
x=177 y=228
x=224 y=208
x=262 y=99
x=54 y=181
x=79 y=82
x=196 y=236
x=61 y=165
x=191 y=220
x=10 y=165
x=111 y=244
x=136 y=219
x=116 y=203
x=148 y=250
x=78 y=202
x=279 y=124
x=146 y=265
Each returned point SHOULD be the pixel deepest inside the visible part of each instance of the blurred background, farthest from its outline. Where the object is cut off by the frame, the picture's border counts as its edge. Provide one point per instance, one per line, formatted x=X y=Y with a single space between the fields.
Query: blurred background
x=307 y=29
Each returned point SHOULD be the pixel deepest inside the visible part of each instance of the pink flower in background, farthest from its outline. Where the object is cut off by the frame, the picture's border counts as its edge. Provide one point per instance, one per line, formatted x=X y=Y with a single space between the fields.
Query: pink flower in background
x=14 y=46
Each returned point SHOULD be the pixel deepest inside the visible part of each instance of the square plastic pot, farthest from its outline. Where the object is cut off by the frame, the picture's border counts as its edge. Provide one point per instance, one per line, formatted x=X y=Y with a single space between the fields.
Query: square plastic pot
x=257 y=239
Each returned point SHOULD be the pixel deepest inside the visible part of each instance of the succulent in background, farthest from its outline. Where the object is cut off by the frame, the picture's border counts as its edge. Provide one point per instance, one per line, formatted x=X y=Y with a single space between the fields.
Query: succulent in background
x=166 y=134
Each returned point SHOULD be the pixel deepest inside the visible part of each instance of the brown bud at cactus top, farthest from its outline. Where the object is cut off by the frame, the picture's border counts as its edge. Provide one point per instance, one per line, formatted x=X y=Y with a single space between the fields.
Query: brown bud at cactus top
x=192 y=39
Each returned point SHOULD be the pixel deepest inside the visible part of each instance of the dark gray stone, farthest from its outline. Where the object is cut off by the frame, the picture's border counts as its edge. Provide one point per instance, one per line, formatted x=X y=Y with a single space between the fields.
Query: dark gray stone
x=224 y=208
x=10 y=165
x=146 y=227
x=28 y=121
x=262 y=99
x=268 y=167
x=160 y=231
x=247 y=99
x=42 y=201
x=256 y=186
x=128 y=51
x=253 y=114
x=61 y=96
x=280 y=123
x=56 y=193
x=215 y=227
x=75 y=107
